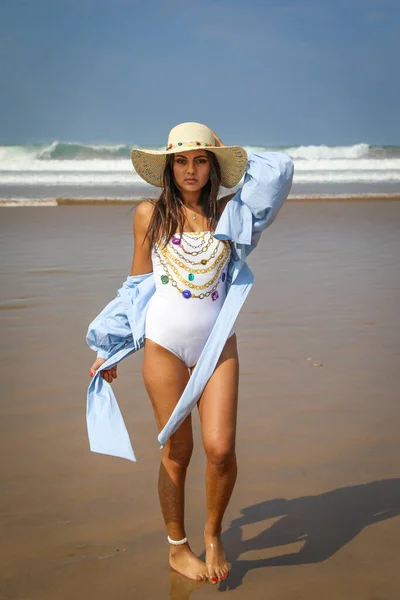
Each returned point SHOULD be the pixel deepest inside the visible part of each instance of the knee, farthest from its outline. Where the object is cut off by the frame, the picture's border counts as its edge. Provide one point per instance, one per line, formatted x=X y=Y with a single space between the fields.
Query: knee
x=220 y=456
x=177 y=456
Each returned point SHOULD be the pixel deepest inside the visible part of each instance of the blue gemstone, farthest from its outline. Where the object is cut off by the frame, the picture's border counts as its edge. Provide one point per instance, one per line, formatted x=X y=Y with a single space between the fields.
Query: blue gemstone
x=190 y=276
x=223 y=276
x=187 y=294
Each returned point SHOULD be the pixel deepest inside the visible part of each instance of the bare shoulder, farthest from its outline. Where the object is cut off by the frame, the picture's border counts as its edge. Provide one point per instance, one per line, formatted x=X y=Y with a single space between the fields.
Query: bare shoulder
x=222 y=202
x=144 y=210
x=143 y=213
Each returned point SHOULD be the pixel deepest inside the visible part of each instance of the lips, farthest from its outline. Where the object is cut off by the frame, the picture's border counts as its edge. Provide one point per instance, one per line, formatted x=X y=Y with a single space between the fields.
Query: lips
x=190 y=180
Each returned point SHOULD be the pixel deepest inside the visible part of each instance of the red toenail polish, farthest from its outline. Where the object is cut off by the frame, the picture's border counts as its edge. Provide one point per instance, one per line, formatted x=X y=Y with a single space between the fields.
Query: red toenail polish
x=214 y=579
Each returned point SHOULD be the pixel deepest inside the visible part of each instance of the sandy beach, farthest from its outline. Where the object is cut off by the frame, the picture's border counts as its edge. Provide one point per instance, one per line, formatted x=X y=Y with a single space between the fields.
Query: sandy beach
x=315 y=513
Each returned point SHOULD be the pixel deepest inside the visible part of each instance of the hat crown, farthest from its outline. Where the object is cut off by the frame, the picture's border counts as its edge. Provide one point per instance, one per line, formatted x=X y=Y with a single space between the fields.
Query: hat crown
x=191 y=132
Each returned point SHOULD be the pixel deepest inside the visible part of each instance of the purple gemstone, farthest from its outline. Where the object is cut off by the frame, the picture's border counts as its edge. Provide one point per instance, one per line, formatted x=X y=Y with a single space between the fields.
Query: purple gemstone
x=214 y=295
x=176 y=241
x=223 y=276
x=187 y=294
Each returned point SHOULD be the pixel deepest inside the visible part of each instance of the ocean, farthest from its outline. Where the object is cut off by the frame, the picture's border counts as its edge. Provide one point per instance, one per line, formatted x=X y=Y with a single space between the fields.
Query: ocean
x=40 y=174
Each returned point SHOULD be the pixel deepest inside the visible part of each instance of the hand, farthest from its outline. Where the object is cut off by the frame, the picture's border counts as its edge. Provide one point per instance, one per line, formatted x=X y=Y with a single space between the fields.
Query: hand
x=108 y=374
x=218 y=140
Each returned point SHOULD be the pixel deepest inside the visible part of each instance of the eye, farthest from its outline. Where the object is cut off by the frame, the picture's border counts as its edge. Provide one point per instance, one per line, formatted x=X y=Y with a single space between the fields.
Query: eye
x=202 y=161
x=181 y=161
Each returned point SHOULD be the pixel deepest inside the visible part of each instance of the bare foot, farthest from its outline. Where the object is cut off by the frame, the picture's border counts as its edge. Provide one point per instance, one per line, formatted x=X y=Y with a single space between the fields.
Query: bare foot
x=217 y=565
x=182 y=560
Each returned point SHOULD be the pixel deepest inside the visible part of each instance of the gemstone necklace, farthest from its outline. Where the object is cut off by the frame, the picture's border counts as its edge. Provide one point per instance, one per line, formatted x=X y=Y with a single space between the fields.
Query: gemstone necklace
x=203 y=261
x=177 y=241
x=168 y=257
x=189 y=283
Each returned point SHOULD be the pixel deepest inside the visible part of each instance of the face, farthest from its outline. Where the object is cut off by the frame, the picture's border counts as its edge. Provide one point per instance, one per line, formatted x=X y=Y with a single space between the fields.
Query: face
x=191 y=170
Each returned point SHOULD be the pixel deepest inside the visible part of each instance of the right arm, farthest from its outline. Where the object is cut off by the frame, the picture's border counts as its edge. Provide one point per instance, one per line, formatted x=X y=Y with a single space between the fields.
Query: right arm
x=141 y=263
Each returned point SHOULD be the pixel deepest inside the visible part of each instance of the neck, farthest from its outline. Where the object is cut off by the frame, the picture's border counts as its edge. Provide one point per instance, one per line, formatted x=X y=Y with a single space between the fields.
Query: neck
x=191 y=199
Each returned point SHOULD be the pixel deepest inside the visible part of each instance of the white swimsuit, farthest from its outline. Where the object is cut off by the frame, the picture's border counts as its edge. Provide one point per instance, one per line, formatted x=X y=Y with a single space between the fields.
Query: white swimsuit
x=190 y=274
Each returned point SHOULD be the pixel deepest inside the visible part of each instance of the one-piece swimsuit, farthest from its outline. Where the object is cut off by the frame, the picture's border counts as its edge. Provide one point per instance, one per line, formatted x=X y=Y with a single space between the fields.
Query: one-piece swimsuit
x=191 y=277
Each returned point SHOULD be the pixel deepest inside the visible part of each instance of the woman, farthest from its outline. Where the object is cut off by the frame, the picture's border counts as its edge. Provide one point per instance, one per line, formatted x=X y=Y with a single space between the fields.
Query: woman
x=194 y=247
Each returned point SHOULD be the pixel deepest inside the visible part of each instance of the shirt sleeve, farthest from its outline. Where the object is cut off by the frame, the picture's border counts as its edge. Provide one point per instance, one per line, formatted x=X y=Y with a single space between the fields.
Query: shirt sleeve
x=110 y=330
x=267 y=183
x=116 y=326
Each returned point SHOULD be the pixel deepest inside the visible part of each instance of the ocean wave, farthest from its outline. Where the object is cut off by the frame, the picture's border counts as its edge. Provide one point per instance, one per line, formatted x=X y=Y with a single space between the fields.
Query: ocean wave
x=131 y=178
x=66 y=163
x=347 y=177
x=75 y=151
x=28 y=202
x=70 y=178
x=329 y=152
x=65 y=152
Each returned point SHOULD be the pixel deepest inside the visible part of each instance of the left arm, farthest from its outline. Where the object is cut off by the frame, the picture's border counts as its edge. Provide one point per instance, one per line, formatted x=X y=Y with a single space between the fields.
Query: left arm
x=267 y=183
x=222 y=202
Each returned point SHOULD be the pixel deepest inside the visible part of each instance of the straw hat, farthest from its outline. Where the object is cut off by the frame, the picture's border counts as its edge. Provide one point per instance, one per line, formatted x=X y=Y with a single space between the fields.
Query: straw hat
x=150 y=164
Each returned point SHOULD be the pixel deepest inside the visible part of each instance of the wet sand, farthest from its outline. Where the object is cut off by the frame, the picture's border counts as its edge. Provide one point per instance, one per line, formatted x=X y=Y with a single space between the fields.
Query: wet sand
x=315 y=513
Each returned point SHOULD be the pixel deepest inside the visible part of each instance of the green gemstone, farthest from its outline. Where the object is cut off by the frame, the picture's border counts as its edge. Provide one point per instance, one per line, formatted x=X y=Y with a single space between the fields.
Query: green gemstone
x=190 y=276
x=164 y=279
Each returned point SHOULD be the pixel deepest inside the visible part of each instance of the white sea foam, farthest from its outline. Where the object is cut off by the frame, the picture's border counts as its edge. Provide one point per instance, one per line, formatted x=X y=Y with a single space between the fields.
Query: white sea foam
x=329 y=152
x=28 y=202
x=70 y=178
x=63 y=164
x=367 y=170
x=347 y=177
x=22 y=164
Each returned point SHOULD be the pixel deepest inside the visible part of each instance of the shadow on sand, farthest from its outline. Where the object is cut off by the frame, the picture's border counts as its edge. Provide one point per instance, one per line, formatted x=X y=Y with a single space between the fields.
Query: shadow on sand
x=324 y=524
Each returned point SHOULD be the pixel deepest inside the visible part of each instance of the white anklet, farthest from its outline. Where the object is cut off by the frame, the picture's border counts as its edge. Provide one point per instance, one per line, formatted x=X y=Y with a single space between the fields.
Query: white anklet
x=178 y=542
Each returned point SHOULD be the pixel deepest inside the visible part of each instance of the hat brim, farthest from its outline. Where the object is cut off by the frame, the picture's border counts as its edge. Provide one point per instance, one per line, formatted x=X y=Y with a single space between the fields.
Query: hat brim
x=150 y=164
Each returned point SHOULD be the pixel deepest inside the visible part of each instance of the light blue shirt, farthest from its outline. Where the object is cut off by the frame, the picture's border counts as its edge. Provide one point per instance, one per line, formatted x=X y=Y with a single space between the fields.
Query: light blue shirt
x=119 y=330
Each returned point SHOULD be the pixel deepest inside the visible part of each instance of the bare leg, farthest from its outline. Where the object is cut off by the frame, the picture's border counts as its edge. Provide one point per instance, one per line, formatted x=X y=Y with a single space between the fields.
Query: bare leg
x=218 y=410
x=165 y=377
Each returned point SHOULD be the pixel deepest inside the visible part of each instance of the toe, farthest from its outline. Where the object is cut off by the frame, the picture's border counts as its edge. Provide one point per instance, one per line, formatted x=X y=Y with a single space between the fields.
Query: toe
x=213 y=578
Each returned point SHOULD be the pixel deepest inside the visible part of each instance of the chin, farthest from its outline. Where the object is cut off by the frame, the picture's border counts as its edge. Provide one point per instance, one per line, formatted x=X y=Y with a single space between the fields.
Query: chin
x=191 y=188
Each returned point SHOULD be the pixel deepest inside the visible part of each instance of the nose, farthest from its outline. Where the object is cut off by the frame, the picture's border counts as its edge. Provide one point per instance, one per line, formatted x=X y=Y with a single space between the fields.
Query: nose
x=190 y=166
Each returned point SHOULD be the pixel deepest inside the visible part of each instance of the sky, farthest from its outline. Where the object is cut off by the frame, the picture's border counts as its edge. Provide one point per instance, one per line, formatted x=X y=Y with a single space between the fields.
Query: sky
x=258 y=72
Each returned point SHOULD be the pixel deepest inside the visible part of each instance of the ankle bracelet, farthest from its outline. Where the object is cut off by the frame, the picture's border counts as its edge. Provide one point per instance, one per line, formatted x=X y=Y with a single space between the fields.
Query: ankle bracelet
x=178 y=542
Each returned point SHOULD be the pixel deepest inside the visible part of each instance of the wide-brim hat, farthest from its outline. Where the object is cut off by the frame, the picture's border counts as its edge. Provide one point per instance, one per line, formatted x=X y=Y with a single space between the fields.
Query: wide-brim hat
x=150 y=164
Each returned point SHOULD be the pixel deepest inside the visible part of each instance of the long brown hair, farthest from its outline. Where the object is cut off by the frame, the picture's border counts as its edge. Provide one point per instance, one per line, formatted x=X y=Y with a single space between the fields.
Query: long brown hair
x=168 y=215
